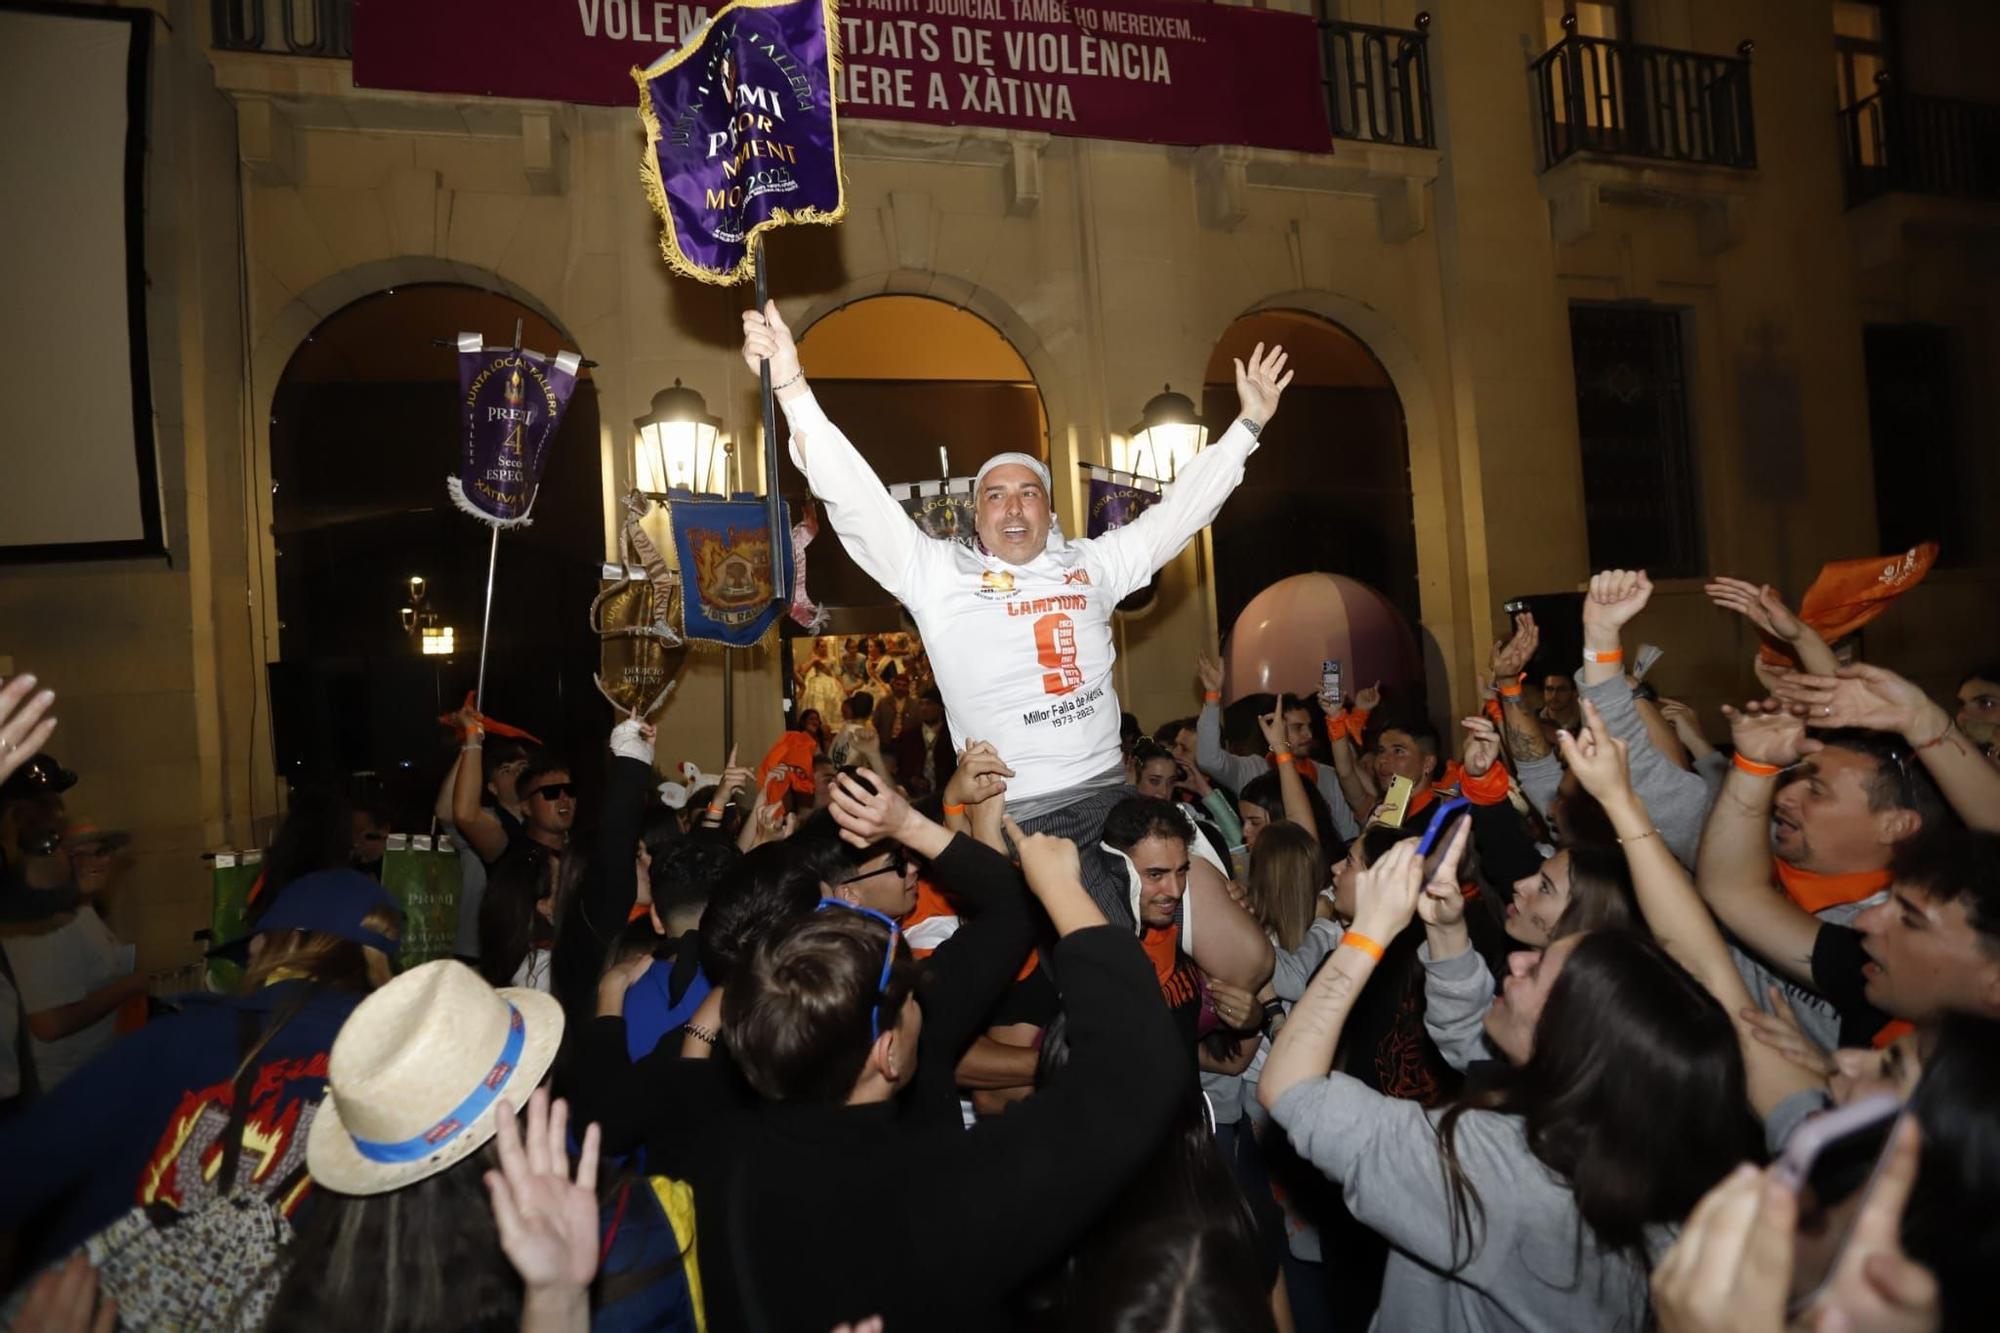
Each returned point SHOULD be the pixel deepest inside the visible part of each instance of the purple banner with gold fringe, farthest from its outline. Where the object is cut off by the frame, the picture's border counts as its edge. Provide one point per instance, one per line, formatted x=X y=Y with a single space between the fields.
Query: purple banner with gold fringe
x=510 y=403
x=741 y=134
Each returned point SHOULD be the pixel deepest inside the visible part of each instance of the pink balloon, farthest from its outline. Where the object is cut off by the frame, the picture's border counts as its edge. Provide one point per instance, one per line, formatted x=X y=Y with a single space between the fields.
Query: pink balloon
x=1292 y=626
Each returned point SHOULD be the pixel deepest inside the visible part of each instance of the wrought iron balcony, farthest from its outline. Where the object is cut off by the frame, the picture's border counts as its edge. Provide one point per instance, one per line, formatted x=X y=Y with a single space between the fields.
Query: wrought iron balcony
x=1897 y=141
x=1630 y=100
x=284 y=27
x=1378 y=82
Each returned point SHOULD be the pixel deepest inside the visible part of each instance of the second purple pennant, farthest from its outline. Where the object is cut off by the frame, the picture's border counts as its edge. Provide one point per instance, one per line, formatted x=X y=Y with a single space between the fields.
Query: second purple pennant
x=741 y=133
x=511 y=402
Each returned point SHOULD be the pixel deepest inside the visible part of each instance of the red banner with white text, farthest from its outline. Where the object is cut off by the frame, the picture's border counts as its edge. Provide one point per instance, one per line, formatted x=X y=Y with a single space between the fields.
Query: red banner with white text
x=1146 y=70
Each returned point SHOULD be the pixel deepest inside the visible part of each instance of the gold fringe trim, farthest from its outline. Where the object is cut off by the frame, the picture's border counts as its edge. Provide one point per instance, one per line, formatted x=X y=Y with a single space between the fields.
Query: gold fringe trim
x=649 y=168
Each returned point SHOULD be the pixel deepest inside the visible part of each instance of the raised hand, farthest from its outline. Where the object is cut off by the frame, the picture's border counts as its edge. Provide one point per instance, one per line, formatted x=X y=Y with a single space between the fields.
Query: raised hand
x=547 y=1221
x=1596 y=757
x=1369 y=699
x=1761 y=606
x=1260 y=383
x=1767 y=733
x=1860 y=696
x=1511 y=656
x=734 y=779
x=1730 y=1270
x=1386 y=893
x=1482 y=746
x=1615 y=597
x=1208 y=670
x=868 y=809
x=23 y=727
x=1272 y=724
x=767 y=337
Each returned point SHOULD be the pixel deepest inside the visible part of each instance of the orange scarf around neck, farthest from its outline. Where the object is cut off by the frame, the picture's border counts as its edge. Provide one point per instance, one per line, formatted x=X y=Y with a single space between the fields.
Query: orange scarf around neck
x=1816 y=892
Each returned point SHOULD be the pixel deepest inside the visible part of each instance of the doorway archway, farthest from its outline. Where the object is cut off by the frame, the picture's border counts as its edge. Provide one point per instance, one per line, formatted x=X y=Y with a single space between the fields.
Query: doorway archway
x=926 y=390
x=363 y=431
x=1329 y=488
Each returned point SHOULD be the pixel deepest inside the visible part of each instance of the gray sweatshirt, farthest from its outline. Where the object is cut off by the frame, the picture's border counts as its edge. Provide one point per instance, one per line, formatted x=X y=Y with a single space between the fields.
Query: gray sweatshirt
x=1457 y=994
x=1292 y=969
x=1529 y=1271
x=1678 y=800
x=1239 y=769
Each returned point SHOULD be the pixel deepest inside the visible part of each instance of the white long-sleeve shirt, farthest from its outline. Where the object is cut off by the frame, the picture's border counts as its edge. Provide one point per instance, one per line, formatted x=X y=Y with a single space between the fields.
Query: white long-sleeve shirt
x=1022 y=653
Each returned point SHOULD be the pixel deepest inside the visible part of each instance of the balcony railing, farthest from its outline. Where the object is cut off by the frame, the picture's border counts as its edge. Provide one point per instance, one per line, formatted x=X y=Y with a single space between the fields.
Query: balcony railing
x=1896 y=141
x=1378 y=82
x=284 y=27
x=1622 y=98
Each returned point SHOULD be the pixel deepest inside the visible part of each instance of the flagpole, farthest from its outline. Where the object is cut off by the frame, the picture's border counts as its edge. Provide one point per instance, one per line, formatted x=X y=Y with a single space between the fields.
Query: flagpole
x=774 y=507
x=492 y=563
x=485 y=620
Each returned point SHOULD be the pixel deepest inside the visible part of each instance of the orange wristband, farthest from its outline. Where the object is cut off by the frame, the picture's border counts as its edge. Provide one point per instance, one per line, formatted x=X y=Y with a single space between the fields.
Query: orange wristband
x=1359 y=941
x=1755 y=769
x=953 y=811
x=1513 y=691
x=1283 y=757
x=1212 y=696
x=1605 y=659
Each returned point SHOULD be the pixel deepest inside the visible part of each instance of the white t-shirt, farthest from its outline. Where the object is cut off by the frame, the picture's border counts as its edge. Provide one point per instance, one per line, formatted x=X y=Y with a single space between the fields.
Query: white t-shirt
x=59 y=968
x=1022 y=653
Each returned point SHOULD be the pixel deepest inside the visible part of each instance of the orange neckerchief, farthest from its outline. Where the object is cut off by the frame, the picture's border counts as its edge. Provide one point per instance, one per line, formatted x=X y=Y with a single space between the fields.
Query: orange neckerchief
x=1891 y=1031
x=1419 y=801
x=1816 y=892
x=1162 y=949
x=1490 y=788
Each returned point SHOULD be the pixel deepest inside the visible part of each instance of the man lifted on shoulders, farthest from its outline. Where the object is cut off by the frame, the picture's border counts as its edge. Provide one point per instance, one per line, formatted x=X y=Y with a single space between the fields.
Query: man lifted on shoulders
x=1018 y=628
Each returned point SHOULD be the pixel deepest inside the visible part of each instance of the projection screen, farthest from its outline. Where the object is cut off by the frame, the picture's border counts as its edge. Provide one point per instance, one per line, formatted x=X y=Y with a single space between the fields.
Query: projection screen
x=78 y=475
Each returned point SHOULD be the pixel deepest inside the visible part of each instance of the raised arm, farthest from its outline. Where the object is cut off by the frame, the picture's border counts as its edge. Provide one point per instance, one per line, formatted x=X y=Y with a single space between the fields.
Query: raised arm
x=873 y=528
x=1385 y=899
x=1291 y=787
x=1868 y=696
x=1520 y=729
x=1673 y=911
x=1676 y=797
x=1209 y=756
x=1133 y=553
x=1767 y=612
x=477 y=825
x=1733 y=872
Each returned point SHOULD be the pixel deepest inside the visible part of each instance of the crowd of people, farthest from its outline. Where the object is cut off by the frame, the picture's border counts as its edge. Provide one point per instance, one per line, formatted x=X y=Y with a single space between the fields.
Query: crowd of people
x=1286 y=1013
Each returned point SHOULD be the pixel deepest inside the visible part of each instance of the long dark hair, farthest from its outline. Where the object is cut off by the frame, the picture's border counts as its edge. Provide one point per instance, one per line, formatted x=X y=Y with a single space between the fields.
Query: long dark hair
x=1947 y=1223
x=1178 y=1274
x=1635 y=1095
x=509 y=924
x=1600 y=893
x=426 y=1256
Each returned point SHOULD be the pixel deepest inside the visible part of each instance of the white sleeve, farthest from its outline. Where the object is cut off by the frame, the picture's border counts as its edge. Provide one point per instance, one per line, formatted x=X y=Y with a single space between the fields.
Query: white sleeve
x=881 y=538
x=1132 y=554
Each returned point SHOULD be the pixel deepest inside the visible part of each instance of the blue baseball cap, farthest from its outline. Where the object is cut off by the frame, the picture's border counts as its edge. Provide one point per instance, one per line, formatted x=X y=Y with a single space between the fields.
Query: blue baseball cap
x=333 y=902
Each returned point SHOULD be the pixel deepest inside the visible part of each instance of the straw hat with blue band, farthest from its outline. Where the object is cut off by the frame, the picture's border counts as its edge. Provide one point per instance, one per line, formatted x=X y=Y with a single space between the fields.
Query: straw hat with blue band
x=421 y=1073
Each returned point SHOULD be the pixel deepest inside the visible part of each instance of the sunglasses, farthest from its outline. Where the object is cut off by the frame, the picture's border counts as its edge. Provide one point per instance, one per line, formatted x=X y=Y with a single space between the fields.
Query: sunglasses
x=888 y=956
x=898 y=863
x=555 y=791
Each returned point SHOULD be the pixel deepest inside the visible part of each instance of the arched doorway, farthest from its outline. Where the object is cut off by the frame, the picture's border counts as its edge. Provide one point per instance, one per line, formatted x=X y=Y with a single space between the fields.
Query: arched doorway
x=926 y=390
x=1329 y=488
x=364 y=429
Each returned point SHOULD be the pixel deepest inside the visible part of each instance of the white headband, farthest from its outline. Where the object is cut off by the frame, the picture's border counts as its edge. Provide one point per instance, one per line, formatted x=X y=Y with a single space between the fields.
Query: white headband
x=1028 y=461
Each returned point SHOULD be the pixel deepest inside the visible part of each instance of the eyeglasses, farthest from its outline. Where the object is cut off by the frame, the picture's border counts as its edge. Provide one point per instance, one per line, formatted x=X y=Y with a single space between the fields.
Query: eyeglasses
x=555 y=791
x=888 y=956
x=898 y=863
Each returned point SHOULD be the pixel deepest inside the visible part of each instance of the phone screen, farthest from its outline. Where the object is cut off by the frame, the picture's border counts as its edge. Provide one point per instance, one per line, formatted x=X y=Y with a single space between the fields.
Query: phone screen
x=1830 y=1197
